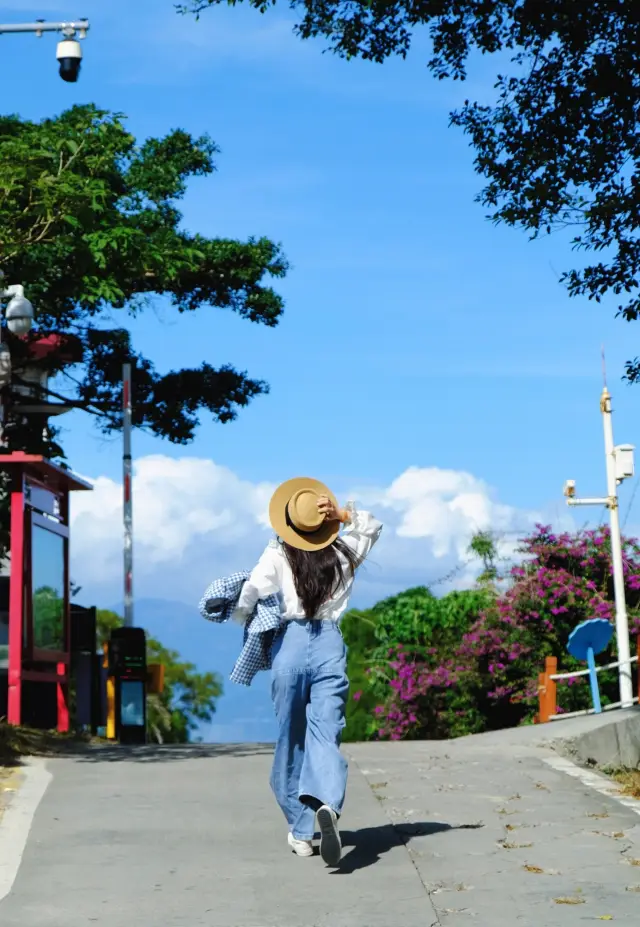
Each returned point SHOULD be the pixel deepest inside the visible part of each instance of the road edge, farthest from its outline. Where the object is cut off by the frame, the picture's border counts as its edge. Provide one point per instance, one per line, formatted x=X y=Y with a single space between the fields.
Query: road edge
x=17 y=819
x=593 y=780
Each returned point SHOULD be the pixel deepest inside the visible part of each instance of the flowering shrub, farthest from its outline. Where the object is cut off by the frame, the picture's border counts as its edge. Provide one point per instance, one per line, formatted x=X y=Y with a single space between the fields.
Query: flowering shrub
x=489 y=679
x=416 y=619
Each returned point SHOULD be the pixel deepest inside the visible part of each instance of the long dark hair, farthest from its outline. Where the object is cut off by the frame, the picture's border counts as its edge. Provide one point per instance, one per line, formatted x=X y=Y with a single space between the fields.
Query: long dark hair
x=317 y=574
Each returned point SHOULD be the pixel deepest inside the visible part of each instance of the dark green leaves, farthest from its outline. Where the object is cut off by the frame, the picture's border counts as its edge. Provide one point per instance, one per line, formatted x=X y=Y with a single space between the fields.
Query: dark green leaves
x=89 y=224
x=559 y=146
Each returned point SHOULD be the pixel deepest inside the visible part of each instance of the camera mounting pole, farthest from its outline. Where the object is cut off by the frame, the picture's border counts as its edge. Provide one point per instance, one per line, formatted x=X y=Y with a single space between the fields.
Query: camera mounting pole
x=81 y=26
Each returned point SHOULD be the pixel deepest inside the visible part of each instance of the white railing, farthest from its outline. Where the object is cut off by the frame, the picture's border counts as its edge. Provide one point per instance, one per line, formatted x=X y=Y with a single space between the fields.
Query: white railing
x=548 y=710
x=585 y=672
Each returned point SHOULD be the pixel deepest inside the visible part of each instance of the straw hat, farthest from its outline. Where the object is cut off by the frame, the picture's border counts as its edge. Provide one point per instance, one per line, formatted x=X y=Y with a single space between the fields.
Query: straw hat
x=294 y=515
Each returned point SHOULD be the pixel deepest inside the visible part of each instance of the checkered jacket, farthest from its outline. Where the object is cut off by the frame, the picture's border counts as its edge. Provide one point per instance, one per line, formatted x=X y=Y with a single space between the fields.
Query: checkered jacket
x=263 y=624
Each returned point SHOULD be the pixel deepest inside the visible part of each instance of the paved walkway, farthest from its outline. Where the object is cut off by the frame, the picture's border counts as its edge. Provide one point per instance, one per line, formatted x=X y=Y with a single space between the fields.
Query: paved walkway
x=480 y=831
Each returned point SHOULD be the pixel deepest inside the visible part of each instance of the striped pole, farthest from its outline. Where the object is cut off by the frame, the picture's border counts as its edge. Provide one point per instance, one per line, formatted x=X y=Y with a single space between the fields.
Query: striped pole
x=127 y=504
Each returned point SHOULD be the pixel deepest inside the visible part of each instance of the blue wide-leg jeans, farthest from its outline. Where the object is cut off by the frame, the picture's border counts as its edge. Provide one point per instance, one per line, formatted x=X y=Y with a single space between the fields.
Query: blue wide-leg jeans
x=309 y=690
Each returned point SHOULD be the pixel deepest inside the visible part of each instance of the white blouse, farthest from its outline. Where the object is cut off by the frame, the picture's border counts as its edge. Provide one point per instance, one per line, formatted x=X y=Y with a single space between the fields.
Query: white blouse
x=272 y=574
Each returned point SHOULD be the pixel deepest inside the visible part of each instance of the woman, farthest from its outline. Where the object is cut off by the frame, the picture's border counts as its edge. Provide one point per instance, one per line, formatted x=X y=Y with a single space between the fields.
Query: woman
x=312 y=570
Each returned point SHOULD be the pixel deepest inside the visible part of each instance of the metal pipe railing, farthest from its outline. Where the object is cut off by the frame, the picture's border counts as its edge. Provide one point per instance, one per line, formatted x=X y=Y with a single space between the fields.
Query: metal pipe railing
x=548 y=690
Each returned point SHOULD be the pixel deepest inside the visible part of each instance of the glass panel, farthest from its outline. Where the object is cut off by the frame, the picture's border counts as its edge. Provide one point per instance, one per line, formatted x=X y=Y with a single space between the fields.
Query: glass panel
x=47 y=589
x=132 y=703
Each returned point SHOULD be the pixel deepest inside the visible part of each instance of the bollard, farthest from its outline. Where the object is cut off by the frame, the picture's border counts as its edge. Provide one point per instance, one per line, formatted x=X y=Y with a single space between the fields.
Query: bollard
x=547 y=690
x=111 y=697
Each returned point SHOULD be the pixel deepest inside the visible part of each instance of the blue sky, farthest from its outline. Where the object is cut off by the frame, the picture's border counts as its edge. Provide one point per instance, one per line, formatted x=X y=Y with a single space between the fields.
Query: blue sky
x=416 y=334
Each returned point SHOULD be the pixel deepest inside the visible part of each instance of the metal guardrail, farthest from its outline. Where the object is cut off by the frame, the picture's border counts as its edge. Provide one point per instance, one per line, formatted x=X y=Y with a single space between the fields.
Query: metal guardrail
x=548 y=689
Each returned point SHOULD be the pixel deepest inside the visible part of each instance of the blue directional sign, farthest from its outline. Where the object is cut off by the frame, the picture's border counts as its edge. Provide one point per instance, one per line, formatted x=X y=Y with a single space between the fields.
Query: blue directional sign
x=585 y=641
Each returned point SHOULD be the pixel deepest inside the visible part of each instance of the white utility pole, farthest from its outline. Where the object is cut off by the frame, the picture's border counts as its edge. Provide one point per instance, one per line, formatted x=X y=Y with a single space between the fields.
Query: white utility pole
x=127 y=508
x=619 y=462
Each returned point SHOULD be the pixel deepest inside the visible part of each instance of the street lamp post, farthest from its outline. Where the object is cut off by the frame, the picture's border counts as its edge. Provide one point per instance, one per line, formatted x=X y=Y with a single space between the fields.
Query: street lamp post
x=619 y=467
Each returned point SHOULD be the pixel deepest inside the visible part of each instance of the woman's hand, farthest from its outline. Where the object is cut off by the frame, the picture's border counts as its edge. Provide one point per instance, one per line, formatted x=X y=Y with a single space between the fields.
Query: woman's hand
x=330 y=511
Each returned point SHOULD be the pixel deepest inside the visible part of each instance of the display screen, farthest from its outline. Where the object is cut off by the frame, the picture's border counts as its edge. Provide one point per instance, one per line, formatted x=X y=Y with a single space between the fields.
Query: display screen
x=47 y=589
x=132 y=703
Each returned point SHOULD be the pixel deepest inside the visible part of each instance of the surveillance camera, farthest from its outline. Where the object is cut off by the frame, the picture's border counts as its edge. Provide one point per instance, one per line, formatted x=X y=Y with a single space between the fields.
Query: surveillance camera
x=69 y=55
x=19 y=315
x=570 y=489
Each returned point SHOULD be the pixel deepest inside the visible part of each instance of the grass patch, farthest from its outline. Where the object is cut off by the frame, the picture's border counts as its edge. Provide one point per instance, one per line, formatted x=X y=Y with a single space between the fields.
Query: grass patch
x=16 y=742
x=628 y=780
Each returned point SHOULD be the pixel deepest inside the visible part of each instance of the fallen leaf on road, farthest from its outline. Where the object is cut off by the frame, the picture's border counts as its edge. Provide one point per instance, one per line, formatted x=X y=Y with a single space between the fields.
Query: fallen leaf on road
x=535 y=869
x=574 y=900
x=599 y=816
x=539 y=785
x=605 y=917
x=514 y=846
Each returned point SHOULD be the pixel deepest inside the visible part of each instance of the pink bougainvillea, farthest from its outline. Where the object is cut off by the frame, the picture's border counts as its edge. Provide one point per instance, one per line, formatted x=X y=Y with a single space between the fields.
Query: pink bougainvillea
x=490 y=679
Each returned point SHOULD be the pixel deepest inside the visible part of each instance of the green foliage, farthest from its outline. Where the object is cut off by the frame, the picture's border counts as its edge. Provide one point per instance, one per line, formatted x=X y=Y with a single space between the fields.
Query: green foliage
x=90 y=226
x=558 y=147
x=416 y=620
x=359 y=631
x=484 y=546
x=189 y=697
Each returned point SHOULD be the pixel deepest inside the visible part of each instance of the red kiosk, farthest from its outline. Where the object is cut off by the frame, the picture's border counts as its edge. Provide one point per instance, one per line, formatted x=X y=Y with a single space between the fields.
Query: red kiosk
x=39 y=649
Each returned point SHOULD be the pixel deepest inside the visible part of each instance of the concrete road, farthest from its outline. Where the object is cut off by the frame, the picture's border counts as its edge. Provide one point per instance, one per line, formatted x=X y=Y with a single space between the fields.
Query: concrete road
x=479 y=831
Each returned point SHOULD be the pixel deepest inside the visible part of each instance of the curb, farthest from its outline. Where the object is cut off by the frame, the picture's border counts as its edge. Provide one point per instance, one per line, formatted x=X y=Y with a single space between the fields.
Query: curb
x=17 y=819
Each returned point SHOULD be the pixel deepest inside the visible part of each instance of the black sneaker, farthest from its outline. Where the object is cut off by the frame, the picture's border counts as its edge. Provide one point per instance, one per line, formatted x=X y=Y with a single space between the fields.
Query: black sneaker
x=330 y=845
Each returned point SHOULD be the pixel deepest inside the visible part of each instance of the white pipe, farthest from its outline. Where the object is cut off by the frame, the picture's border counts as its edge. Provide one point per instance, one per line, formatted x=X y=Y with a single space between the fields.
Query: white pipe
x=622 y=622
x=81 y=25
x=127 y=506
x=587 y=501
x=585 y=672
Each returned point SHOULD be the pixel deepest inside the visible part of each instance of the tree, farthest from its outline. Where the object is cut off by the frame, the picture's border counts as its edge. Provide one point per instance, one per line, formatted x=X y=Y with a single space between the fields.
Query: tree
x=560 y=145
x=189 y=697
x=90 y=226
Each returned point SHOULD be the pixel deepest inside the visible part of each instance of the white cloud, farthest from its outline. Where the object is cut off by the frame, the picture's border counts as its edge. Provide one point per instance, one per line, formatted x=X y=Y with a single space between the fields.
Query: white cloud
x=447 y=507
x=194 y=519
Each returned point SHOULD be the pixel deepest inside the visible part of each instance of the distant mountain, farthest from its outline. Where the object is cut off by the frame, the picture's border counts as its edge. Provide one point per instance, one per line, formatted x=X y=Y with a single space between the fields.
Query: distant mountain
x=244 y=714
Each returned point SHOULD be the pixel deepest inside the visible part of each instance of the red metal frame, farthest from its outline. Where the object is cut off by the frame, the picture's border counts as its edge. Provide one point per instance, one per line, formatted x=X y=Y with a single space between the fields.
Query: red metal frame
x=17 y=589
x=26 y=661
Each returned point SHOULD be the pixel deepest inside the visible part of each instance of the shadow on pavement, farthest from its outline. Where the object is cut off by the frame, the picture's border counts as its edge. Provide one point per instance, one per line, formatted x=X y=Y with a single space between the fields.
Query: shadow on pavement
x=370 y=843
x=162 y=753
